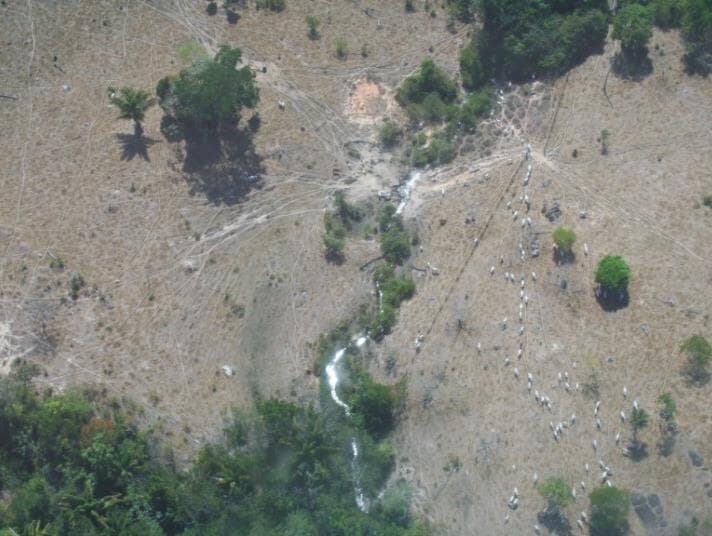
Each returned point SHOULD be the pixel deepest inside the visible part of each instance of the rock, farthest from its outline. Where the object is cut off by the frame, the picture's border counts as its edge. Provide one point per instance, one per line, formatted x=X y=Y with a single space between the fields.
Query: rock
x=695 y=458
x=563 y=284
x=228 y=371
x=553 y=213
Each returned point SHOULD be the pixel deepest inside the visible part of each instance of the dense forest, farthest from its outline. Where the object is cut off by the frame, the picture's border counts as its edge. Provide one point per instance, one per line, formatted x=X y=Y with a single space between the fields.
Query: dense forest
x=70 y=465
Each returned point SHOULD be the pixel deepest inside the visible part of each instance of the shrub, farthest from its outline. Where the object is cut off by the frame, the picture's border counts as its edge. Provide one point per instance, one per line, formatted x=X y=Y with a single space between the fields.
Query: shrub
x=639 y=419
x=397 y=289
x=476 y=106
x=373 y=405
x=472 y=72
x=76 y=283
x=383 y=273
x=699 y=354
x=395 y=245
x=383 y=322
x=429 y=80
x=347 y=211
x=341 y=49
x=667 y=407
x=334 y=246
x=564 y=239
x=633 y=25
x=439 y=150
x=697 y=30
x=605 y=137
x=390 y=134
x=707 y=201
x=556 y=492
x=387 y=216
x=613 y=273
x=313 y=25
x=609 y=511
x=409 y=6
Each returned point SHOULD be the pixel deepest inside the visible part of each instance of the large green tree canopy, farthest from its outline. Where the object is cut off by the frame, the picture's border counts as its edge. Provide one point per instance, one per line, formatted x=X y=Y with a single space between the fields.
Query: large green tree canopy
x=211 y=92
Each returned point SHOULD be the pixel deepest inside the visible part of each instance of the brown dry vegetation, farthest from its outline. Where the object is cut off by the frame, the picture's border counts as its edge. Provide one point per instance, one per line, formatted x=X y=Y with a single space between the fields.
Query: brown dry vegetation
x=180 y=281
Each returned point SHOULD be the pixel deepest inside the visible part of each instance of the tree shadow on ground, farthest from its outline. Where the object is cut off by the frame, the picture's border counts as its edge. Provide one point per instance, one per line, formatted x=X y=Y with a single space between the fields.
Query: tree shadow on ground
x=564 y=257
x=631 y=67
x=222 y=164
x=612 y=300
x=132 y=146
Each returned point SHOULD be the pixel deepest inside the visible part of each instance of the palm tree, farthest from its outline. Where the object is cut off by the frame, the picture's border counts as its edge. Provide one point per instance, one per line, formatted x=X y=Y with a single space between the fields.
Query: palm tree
x=132 y=104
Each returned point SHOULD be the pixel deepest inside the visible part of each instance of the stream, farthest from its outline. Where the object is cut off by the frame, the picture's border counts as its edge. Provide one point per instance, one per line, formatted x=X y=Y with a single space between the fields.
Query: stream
x=332 y=374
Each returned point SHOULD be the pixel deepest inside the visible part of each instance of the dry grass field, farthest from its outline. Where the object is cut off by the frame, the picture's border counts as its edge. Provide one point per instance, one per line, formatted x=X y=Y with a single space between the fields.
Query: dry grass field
x=183 y=276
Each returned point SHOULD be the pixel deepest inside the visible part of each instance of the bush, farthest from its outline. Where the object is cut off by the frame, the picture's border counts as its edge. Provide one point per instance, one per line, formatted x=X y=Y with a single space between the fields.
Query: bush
x=440 y=150
x=633 y=25
x=472 y=71
x=613 y=273
x=609 y=511
x=397 y=289
x=341 y=49
x=313 y=25
x=430 y=81
x=409 y=6
x=697 y=30
x=395 y=245
x=334 y=246
x=556 y=492
x=707 y=201
x=387 y=216
x=667 y=407
x=564 y=239
x=383 y=322
x=390 y=134
x=640 y=419
x=699 y=354
x=476 y=106
x=373 y=406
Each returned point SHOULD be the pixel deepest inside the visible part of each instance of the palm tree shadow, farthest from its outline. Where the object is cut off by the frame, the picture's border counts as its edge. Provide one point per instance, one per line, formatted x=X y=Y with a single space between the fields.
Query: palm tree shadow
x=132 y=146
x=222 y=165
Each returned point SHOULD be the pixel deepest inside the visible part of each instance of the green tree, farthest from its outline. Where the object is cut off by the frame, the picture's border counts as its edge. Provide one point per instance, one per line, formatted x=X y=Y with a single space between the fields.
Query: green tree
x=210 y=93
x=395 y=245
x=132 y=104
x=564 y=240
x=374 y=406
x=313 y=25
x=633 y=26
x=428 y=93
x=699 y=354
x=697 y=29
x=472 y=71
x=556 y=492
x=609 y=511
x=613 y=273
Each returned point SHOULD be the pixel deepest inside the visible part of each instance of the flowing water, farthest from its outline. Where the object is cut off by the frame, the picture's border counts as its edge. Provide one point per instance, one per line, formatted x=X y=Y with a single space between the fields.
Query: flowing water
x=332 y=372
x=332 y=375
